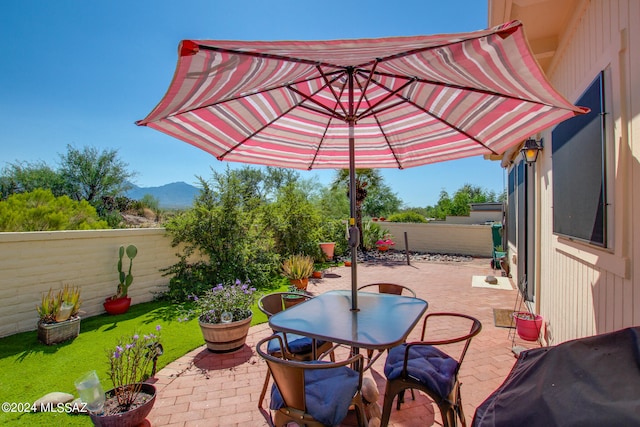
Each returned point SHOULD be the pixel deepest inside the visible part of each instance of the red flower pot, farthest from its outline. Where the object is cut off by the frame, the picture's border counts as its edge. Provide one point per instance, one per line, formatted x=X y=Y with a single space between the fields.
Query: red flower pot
x=528 y=325
x=117 y=305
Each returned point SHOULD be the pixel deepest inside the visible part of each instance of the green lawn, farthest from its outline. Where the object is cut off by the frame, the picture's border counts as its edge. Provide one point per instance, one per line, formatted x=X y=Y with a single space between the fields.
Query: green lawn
x=29 y=369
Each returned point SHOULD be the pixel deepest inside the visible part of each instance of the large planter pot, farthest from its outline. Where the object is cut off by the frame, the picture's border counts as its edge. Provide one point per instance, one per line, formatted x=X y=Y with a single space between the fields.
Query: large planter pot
x=528 y=325
x=225 y=337
x=117 y=305
x=54 y=333
x=300 y=283
x=131 y=418
x=328 y=249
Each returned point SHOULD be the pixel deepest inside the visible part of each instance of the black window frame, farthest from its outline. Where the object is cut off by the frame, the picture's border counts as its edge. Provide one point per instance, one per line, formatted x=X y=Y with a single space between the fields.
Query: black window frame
x=579 y=171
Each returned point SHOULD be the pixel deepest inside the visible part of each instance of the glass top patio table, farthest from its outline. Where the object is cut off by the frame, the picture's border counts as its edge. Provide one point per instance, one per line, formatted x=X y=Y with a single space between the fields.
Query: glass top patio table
x=382 y=321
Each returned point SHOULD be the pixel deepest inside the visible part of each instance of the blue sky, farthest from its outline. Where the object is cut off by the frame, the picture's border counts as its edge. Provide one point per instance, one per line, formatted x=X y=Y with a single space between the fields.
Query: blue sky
x=81 y=72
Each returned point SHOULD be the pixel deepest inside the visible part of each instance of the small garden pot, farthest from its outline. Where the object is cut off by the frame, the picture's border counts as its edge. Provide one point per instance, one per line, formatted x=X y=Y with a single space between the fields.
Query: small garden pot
x=131 y=418
x=225 y=337
x=300 y=283
x=117 y=306
x=347 y=263
x=328 y=248
x=317 y=274
x=383 y=248
x=528 y=325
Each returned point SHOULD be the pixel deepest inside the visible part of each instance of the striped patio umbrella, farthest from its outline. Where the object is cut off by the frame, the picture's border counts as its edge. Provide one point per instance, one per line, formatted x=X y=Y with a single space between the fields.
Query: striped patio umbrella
x=371 y=103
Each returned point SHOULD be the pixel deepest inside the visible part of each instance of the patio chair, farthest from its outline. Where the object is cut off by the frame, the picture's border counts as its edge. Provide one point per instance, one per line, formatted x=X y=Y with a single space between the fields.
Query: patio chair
x=421 y=365
x=315 y=393
x=291 y=346
x=388 y=288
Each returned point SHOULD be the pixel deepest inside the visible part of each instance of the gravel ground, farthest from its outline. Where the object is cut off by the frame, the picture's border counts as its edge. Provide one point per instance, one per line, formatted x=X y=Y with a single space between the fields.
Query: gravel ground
x=393 y=256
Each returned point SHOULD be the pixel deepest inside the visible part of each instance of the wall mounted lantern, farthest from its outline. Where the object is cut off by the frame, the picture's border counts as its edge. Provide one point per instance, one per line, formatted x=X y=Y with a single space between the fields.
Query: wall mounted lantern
x=530 y=150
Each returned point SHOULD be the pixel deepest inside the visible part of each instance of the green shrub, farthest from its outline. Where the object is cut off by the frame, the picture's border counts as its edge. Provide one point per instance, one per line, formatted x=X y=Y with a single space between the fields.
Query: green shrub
x=407 y=217
x=223 y=227
x=40 y=210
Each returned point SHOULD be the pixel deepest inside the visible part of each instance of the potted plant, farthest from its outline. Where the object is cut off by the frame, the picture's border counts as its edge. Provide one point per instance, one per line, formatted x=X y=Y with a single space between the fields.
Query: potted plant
x=131 y=399
x=295 y=296
x=385 y=243
x=328 y=248
x=224 y=315
x=120 y=302
x=298 y=268
x=528 y=325
x=58 y=311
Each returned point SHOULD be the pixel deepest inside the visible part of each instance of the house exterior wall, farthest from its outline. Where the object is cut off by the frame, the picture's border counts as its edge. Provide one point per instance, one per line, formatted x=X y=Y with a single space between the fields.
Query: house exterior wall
x=581 y=289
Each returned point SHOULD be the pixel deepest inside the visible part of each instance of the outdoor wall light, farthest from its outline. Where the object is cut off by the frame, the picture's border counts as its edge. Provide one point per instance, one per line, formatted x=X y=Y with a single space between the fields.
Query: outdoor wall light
x=530 y=150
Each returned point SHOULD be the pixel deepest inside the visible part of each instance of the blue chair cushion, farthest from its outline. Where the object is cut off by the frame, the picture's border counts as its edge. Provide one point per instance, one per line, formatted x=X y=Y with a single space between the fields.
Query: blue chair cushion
x=328 y=393
x=297 y=344
x=427 y=364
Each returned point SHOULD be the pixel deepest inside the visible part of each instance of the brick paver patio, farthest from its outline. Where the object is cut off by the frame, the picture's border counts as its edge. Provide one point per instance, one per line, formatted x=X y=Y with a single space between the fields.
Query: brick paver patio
x=206 y=389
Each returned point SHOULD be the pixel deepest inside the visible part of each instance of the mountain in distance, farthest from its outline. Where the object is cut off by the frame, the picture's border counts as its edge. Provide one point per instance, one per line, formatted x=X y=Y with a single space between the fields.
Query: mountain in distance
x=177 y=195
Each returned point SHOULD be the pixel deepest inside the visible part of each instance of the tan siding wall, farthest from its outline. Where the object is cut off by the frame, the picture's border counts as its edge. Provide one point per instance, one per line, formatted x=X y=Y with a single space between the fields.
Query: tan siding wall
x=32 y=263
x=474 y=240
x=584 y=290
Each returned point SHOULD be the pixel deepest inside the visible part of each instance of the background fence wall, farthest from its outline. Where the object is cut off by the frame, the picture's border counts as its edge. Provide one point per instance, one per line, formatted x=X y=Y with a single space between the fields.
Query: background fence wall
x=32 y=263
x=434 y=237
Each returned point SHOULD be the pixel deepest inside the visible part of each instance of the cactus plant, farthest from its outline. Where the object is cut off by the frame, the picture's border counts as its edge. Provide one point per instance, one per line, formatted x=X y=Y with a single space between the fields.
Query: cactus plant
x=125 y=278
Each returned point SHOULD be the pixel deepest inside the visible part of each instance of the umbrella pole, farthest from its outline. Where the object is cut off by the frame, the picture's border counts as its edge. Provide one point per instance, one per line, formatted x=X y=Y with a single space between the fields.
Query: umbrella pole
x=354 y=232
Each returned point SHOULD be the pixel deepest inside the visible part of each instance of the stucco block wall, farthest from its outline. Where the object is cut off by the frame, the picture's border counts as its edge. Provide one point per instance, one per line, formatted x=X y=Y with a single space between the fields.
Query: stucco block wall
x=462 y=239
x=32 y=263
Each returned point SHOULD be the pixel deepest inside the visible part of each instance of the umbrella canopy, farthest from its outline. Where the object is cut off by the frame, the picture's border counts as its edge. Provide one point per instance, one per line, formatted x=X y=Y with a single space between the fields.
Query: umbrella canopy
x=372 y=103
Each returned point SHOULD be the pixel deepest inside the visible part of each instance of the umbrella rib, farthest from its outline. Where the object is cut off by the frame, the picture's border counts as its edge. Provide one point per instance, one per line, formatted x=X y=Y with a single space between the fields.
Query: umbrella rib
x=271 y=56
x=257 y=131
x=384 y=135
x=324 y=133
x=499 y=33
x=389 y=95
x=467 y=88
x=363 y=89
x=328 y=84
x=325 y=110
x=424 y=110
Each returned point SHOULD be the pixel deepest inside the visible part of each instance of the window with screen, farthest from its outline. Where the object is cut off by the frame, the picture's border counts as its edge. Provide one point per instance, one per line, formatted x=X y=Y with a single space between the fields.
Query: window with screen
x=578 y=155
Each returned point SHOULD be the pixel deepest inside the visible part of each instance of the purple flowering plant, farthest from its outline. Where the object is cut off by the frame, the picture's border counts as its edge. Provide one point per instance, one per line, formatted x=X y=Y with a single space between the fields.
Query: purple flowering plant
x=129 y=361
x=235 y=299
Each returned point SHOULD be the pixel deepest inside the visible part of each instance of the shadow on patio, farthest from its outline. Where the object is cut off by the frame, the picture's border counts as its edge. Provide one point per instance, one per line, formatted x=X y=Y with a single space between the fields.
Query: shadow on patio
x=203 y=388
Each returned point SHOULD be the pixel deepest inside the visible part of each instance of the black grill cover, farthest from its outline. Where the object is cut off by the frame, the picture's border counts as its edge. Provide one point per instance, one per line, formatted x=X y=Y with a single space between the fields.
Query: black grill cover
x=592 y=381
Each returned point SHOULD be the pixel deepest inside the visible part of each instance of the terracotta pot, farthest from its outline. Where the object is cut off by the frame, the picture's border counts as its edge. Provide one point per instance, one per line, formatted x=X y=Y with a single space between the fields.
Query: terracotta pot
x=328 y=249
x=131 y=418
x=225 y=337
x=117 y=306
x=383 y=248
x=300 y=283
x=528 y=325
x=317 y=274
x=347 y=263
